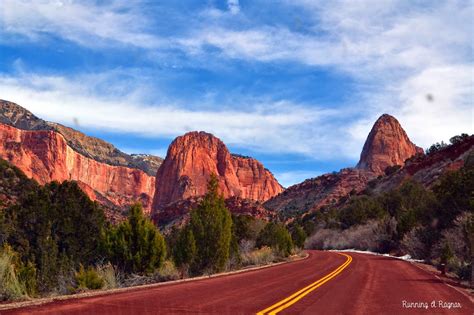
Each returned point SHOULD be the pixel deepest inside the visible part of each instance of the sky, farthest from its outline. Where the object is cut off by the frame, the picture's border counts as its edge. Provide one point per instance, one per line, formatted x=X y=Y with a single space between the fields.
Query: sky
x=296 y=84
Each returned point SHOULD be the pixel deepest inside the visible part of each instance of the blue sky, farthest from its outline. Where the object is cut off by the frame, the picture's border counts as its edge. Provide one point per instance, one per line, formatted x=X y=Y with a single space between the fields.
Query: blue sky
x=296 y=84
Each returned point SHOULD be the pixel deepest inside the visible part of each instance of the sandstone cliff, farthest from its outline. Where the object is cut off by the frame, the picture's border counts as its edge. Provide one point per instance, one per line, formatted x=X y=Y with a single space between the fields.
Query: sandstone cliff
x=190 y=161
x=47 y=151
x=94 y=148
x=387 y=145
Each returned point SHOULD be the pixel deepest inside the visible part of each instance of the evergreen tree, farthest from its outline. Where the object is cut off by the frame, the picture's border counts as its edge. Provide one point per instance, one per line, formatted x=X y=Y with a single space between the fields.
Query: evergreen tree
x=136 y=245
x=185 y=249
x=299 y=236
x=277 y=237
x=211 y=224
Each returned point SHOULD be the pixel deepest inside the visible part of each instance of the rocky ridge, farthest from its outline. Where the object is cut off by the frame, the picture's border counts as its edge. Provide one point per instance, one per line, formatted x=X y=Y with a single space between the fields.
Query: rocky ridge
x=189 y=163
x=387 y=145
x=51 y=152
x=91 y=147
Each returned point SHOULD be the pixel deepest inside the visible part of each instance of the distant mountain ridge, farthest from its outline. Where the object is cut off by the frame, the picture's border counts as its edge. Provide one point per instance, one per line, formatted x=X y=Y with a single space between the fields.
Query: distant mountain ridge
x=94 y=148
x=387 y=160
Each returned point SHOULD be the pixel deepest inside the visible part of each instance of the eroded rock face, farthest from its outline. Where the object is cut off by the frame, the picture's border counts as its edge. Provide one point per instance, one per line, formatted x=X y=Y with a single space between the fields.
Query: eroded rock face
x=316 y=193
x=387 y=145
x=191 y=160
x=45 y=156
x=14 y=115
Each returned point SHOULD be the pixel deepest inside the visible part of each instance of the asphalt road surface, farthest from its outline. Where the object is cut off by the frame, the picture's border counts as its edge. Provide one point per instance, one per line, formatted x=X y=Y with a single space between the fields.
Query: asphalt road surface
x=324 y=283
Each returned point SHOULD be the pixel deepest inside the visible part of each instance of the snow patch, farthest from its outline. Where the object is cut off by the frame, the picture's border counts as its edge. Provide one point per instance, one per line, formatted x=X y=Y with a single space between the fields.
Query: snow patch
x=405 y=257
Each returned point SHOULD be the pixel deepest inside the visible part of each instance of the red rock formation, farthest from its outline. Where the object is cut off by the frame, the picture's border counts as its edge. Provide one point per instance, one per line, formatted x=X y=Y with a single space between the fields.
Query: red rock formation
x=387 y=145
x=45 y=156
x=315 y=193
x=190 y=161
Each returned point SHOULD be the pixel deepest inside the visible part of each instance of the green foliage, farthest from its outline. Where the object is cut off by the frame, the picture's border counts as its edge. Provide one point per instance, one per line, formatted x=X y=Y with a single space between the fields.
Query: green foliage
x=360 y=210
x=11 y=287
x=89 y=279
x=277 y=237
x=136 y=245
x=410 y=205
x=454 y=195
x=438 y=146
x=211 y=225
x=446 y=254
x=458 y=139
x=54 y=222
x=298 y=235
x=185 y=249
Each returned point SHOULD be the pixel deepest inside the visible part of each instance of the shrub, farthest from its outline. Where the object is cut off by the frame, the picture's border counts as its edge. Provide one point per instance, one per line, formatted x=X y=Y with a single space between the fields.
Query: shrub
x=262 y=256
x=184 y=251
x=277 y=237
x=110 y=275
x=168 y=271
x=53 y=222
x=89 y=279
x=299 y=236
x=211 y=225
x=370 y=236
x=11 y=287
x=136 y=245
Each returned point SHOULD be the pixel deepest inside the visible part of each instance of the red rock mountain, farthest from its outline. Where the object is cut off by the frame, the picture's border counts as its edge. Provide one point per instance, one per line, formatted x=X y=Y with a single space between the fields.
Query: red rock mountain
x=387 y=145
x=47 y=151
x=190 y=161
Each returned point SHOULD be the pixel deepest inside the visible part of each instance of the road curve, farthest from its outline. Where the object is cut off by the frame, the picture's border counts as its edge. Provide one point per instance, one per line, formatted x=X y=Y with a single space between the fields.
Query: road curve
x=367 y=285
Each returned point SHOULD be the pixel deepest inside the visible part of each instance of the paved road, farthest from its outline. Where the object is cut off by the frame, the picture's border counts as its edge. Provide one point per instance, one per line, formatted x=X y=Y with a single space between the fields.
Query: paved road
x=325 y=283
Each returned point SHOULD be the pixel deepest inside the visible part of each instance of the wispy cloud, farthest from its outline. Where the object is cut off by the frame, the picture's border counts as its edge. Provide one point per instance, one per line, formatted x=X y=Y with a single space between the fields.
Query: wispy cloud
x=262 y=126
x=395 y=52
x=84 y=22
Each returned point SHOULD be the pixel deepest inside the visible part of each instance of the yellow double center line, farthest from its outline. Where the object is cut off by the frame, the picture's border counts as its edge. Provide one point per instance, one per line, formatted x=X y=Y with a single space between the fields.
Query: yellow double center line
x=295 y=297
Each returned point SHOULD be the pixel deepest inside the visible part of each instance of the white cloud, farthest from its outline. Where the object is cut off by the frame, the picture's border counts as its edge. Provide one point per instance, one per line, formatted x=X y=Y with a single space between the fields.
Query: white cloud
x=264 y=126
x=82 y=22
x=397 y=52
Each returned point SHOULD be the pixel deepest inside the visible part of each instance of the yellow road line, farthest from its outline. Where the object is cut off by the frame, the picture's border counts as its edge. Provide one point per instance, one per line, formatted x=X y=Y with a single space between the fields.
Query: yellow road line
x=295 y=297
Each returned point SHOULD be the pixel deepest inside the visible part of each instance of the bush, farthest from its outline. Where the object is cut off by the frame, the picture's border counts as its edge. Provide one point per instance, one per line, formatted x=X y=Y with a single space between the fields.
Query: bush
x=89 y=279
x=360 y=210
x=54 y=222
x=299 y=236
x=371 y=236
x=136 y=245
x=110 y=275
x=257 y=257
x=184 y=251
x=11 y=287
x=277 y=237
x=211 y=226
x=168 y=271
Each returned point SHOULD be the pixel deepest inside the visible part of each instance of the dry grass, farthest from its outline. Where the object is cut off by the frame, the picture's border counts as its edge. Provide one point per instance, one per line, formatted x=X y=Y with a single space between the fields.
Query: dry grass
x=257 y=257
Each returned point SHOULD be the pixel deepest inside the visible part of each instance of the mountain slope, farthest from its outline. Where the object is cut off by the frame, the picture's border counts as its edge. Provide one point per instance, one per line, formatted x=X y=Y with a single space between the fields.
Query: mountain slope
x=47 y=151
x=94 y=148
x=189 y=163
x=386 y=146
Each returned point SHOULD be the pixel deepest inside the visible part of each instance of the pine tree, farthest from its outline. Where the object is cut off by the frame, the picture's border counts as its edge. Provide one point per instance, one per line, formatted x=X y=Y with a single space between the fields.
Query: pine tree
x=185 y=248
x=211 y=224
x=136 y=245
